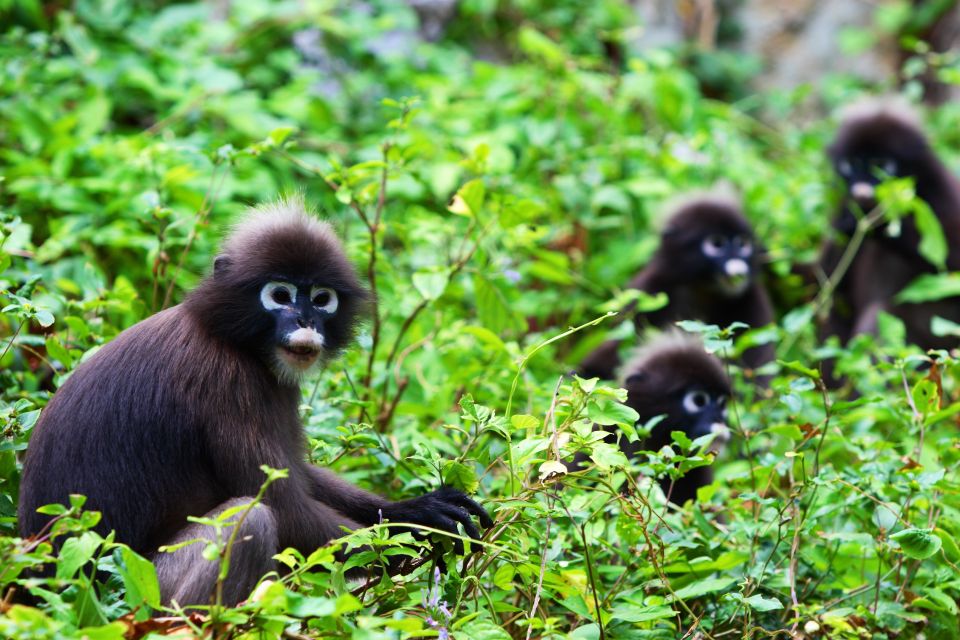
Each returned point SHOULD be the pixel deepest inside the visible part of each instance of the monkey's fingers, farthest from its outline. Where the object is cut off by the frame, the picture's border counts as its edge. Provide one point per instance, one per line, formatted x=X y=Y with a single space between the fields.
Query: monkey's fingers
x=471 y=506
x=461 y=499
x=460 y=515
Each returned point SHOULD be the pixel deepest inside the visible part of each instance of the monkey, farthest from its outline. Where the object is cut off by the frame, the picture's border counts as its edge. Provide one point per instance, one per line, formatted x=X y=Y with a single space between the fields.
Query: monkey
x=673 y=377
x=876 y=140
x=707 y=264
x=174 y=417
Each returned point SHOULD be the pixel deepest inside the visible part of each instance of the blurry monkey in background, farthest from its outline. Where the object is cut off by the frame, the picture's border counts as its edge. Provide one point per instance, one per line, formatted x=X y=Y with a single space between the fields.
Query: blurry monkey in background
x=876 y=140
x=175 y=416
x=707 y=264
x=674 y=377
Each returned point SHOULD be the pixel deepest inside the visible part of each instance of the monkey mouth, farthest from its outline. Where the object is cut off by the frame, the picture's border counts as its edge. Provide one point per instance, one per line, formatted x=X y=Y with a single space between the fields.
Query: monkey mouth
x=300 y=355
x=733 y=286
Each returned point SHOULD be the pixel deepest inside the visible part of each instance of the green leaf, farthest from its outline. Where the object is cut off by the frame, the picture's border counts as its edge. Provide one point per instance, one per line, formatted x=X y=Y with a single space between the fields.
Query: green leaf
x=607 y=412
x=460 y=476
x=75 y=553
x=929 y=287
x=702 y=588
x=606 y=455
x=431 y=283
x=503 y=578
x=933 y=242
x=629 y=612
x=140 y=579
x=760 y=603
x=918 y=543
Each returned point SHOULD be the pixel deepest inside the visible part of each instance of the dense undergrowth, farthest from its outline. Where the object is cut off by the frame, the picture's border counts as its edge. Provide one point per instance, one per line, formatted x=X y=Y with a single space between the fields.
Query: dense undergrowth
x=492 y=207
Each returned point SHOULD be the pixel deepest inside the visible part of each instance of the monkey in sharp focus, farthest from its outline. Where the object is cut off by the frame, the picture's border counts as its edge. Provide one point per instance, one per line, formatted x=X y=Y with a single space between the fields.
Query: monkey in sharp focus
x=707 y=264
x=174 y=417
x=879 y=139
x=673 y=376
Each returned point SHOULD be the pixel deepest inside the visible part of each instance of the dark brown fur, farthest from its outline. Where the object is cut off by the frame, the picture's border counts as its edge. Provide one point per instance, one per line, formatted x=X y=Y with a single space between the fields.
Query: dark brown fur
x=175 y=416
x=884 y=265
x=679 y=270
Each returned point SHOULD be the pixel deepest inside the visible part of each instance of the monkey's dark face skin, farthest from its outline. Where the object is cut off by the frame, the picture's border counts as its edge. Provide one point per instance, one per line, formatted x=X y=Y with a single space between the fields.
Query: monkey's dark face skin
x=711 y=245
x=300 y=310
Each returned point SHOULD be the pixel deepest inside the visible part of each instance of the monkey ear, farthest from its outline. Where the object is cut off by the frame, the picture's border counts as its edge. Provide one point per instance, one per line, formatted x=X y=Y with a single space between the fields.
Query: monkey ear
x=220 y=264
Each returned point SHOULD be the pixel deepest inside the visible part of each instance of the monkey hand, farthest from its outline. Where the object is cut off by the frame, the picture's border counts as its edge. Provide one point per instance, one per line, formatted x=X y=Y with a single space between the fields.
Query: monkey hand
x=442 y=509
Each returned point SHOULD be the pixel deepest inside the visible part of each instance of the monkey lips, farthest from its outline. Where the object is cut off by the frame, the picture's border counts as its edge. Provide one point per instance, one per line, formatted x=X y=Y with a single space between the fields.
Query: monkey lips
x=301 y=349
x=735 y=278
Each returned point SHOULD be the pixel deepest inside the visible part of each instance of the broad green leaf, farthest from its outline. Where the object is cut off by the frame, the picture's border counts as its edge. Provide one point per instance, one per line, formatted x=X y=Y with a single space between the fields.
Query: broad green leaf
x=917 y=543
x=761 y=603
x=700 y=588
x=933 y=242
x=629 y=612
x=608 y=412
x=929 y=287
x=76 y=552
x=460 y=476
x=430 y=283
x=140 y=579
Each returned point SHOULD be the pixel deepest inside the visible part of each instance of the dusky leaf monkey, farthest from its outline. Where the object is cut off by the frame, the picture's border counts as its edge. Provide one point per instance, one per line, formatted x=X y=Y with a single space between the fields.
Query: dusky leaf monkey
x=707 y=264
x=175 y=416
x=673 y=376
x=876 y=140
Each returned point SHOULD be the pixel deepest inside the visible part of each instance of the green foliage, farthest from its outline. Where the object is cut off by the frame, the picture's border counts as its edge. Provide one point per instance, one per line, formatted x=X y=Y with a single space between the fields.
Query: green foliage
x=497 y=210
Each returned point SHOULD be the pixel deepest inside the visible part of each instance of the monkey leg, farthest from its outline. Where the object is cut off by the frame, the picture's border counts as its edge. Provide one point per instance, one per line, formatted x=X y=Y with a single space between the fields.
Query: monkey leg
x=186 y=577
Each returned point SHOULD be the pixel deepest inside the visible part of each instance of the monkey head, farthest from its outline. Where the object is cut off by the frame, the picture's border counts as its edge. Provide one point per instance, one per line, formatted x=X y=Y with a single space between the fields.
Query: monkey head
x=673 y=376
x=877 y=140
x=282 y=289
x=708 y=243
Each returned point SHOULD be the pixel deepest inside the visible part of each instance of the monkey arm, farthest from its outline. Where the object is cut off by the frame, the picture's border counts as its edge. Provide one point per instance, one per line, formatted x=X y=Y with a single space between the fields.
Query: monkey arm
x=442 y=509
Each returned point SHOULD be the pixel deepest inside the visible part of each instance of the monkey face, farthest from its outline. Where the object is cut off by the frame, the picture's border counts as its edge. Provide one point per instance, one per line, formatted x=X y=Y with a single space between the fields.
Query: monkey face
x=862 y=172
x=694 y=410
x=301 y=313
x=709 y=245
x=729 y=256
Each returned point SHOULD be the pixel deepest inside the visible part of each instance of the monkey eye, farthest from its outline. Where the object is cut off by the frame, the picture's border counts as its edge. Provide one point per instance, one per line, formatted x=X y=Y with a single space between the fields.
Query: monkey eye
x=844 y=168
x=713 y=245
x=324 y=299
x=695 y=401
x=743 y=245
x=276 y=295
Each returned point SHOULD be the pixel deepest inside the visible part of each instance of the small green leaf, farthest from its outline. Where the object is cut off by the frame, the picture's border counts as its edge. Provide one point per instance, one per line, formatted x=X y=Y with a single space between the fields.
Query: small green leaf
x=929 y=287
x=140 y=579
x=608 y=412
x=918 y=543
x=760 y=603
x=430 y=283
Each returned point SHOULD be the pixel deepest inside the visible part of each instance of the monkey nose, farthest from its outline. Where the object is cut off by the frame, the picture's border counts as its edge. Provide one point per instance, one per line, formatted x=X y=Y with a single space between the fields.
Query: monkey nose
x=736 y=267
x=862 y=191
x=721 y=430
x=301 y=322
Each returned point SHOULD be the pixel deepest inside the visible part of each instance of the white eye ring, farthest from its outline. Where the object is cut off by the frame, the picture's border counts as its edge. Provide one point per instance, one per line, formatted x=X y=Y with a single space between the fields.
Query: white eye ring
x=744 y=246
x=890 y=167
x=713 y=245
x=324 y=299
x=277 y=295
x=844 y=168
x=695 y=401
